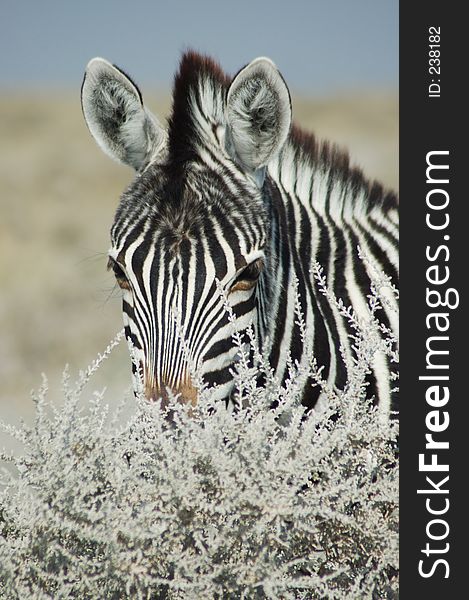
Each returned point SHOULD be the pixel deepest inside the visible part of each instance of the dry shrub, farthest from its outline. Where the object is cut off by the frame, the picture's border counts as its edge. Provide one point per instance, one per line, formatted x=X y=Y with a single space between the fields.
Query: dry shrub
x=258 y=503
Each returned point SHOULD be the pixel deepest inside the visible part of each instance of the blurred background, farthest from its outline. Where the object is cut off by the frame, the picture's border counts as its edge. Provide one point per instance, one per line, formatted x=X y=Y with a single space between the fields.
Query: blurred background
x=58 y=192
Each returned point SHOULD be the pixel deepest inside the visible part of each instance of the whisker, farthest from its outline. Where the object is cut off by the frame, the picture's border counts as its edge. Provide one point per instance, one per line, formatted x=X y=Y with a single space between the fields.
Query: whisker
x=111 y=294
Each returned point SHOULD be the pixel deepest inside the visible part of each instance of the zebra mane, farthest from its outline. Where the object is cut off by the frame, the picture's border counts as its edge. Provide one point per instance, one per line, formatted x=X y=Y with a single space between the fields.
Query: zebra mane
x=322 y=156
x=199 y=97
x=199 y=94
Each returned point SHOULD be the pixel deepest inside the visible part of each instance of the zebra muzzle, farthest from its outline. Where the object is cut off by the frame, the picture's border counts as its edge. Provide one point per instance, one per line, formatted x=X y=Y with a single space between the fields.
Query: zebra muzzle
x=185 y=392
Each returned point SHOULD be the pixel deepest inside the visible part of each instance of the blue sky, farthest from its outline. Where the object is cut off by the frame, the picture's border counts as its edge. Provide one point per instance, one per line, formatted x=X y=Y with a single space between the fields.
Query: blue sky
x=319 y=45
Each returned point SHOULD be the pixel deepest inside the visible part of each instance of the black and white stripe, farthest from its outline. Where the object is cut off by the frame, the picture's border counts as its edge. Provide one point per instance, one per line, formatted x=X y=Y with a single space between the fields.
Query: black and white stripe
x=231 y=194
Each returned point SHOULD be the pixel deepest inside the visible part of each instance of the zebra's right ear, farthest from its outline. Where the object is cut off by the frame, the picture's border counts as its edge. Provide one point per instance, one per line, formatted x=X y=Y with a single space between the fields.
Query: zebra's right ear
x=258 y=112
x=117 y=118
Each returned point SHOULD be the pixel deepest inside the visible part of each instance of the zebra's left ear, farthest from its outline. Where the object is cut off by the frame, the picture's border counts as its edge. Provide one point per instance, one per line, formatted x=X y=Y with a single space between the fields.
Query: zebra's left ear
x=258 y=112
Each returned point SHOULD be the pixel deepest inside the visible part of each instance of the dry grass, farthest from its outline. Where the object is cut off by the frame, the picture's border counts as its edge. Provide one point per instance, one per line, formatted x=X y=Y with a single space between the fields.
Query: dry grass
x=57 y=198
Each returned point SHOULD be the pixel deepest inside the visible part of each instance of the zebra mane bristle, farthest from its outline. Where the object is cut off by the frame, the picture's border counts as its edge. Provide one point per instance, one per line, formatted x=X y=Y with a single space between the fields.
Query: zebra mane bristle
x=194 y=69
x=337 y=161
x=198 y=71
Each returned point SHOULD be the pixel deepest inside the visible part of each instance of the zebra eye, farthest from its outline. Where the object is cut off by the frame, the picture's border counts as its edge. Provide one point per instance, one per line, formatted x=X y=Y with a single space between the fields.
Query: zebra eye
x=248 y=277
x=119 y=274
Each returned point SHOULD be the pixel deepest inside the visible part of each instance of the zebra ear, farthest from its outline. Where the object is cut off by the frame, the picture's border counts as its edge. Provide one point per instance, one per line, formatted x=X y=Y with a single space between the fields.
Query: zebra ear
x=258 y=112
x=116 y=117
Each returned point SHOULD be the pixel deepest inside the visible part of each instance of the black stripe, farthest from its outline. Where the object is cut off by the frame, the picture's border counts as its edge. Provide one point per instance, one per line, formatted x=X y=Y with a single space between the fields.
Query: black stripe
x=379 y=254
x=283 y=255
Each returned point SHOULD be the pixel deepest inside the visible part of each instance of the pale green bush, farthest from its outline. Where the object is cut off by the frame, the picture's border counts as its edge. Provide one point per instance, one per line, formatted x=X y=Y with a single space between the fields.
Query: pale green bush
x=260 y=503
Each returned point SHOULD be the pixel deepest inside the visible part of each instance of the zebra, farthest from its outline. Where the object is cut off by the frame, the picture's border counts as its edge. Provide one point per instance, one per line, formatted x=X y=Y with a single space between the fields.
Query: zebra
x=231 y=205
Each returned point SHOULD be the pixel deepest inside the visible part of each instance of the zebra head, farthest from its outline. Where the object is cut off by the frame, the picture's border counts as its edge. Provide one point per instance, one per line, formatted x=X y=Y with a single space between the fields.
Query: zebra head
x=190 y=243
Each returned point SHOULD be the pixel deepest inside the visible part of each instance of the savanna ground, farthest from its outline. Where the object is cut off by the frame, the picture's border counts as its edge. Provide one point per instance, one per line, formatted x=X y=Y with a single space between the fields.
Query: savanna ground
x=58 y=193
